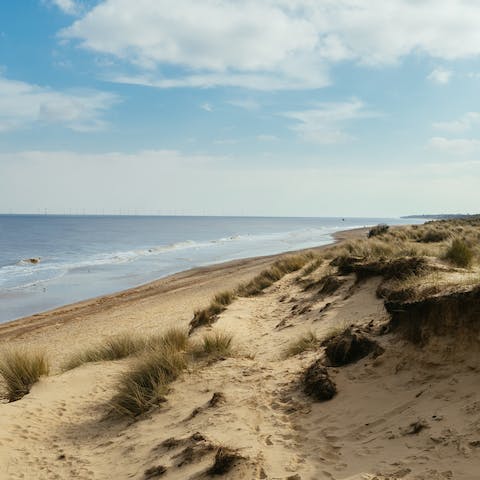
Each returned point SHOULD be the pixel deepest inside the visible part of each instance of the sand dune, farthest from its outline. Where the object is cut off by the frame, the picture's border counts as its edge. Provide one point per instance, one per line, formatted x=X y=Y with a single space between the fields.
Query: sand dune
x=412 y=412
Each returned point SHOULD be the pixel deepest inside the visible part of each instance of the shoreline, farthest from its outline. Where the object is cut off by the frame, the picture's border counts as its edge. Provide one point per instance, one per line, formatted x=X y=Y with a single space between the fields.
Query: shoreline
x=205 y=281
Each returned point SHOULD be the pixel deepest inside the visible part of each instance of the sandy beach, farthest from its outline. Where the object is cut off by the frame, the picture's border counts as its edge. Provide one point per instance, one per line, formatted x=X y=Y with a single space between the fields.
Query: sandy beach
x=150 y=307
x=402 y=412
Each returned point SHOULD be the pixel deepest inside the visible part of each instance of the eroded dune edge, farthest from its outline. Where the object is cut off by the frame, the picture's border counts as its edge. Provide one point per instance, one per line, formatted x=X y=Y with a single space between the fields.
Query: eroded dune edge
x=357 y=361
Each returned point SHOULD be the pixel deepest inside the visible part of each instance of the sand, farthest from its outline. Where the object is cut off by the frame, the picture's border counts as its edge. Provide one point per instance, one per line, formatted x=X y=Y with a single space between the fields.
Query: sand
x=367 y=431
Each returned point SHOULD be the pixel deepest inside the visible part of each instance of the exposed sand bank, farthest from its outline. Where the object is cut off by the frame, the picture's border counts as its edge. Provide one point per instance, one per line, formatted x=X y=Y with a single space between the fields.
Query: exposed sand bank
x=411 y=413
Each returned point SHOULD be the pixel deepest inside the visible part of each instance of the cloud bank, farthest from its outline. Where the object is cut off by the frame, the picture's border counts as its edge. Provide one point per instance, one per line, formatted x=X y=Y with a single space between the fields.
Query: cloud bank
x=272 y=44
x=23 y=105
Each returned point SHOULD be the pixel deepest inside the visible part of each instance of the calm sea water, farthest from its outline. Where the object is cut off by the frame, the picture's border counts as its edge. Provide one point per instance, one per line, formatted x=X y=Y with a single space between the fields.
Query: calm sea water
x=86 y=256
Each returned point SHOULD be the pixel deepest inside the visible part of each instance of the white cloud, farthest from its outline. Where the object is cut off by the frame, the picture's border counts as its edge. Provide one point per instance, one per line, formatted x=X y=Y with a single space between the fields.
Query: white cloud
x=325 y=123
x=70 y=7
x=247 y=104
x=23 y=104
x=463 y=124
x=440 y=76
x=207 y=107
x=456 y=146
x=272 y=44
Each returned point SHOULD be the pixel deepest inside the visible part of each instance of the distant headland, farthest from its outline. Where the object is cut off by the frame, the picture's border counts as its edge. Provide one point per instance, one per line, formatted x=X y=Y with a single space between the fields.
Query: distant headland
x=444 y=216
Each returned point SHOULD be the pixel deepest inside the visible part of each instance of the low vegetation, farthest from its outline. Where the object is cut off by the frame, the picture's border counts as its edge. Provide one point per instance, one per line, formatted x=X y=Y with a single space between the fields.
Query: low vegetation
x=213 y=345
x=378 y=230
x=208 y=315
x=333 y=331
x=459 y=253
x=147 y=382
x=175 y=338
x=113 y=348
x=271 y=275
x=434 y=236
x=20 y=369
x=312 y=266
x=308 y=341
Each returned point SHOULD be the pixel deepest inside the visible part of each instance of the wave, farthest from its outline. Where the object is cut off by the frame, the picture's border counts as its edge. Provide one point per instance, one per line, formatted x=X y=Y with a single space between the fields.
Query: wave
x=24 y=273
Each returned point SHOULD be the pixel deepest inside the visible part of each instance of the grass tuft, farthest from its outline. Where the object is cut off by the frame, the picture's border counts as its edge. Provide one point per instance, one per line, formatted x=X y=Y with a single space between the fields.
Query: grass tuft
x=312 y=266
x=333 y=332
x=147 y=382
x=125 y=345
x=271 y=275
x=20 y=369
x=380 y=229
x=214 y=345
x=174 y=337
x=308 y=341
x=208 y=315
x=113 y=348
x=459 y=253
x=434 y=236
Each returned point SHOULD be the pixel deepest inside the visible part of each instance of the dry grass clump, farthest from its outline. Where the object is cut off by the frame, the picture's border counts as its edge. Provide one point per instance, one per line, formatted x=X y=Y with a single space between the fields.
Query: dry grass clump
x=332 y=332
x=415 y=288
x=20 y=369
x=147 y=382
x=208 y=315
x=459 y=253
x=271 y=275
x=306 y=342
x=311 y=267
x=174 y=337
x=214 y=345
x=434 y=236
x=113 y=348
x=166 y=356
x=378 y=230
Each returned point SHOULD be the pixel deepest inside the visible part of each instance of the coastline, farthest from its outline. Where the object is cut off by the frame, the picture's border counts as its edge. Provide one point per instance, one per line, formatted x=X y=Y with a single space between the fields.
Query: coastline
x=243 y=387
x=167 y=300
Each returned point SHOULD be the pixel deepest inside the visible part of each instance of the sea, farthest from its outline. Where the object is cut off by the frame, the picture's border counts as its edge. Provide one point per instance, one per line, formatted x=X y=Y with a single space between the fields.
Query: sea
x=47 y=261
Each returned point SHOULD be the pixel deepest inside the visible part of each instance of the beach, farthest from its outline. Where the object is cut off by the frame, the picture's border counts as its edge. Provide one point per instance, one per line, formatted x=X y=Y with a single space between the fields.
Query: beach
x=47 y=261
x=150 y=307
x=400 y=412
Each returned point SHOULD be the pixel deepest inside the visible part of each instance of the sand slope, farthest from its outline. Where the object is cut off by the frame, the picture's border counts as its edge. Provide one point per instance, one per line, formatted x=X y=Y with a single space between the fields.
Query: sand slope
x=411 y=413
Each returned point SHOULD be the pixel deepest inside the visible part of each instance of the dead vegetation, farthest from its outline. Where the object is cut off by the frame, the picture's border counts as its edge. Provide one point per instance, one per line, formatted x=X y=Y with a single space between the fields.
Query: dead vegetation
x=378 y=230
x=20 y=368
x=317 y=383
x=414 y=261
x=459 y=253
x=349 y=347
x=225 y=459
x=306 y=342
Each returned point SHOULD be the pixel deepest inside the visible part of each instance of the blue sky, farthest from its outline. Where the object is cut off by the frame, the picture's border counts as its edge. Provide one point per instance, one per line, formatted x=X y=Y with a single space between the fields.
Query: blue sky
x=272 y=107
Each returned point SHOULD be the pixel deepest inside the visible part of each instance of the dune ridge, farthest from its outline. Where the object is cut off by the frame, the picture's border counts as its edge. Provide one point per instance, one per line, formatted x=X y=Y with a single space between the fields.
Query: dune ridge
x=408 y=407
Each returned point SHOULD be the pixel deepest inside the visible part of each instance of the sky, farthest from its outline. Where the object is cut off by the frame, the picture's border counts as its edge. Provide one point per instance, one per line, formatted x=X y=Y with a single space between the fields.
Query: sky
x=239 y=107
